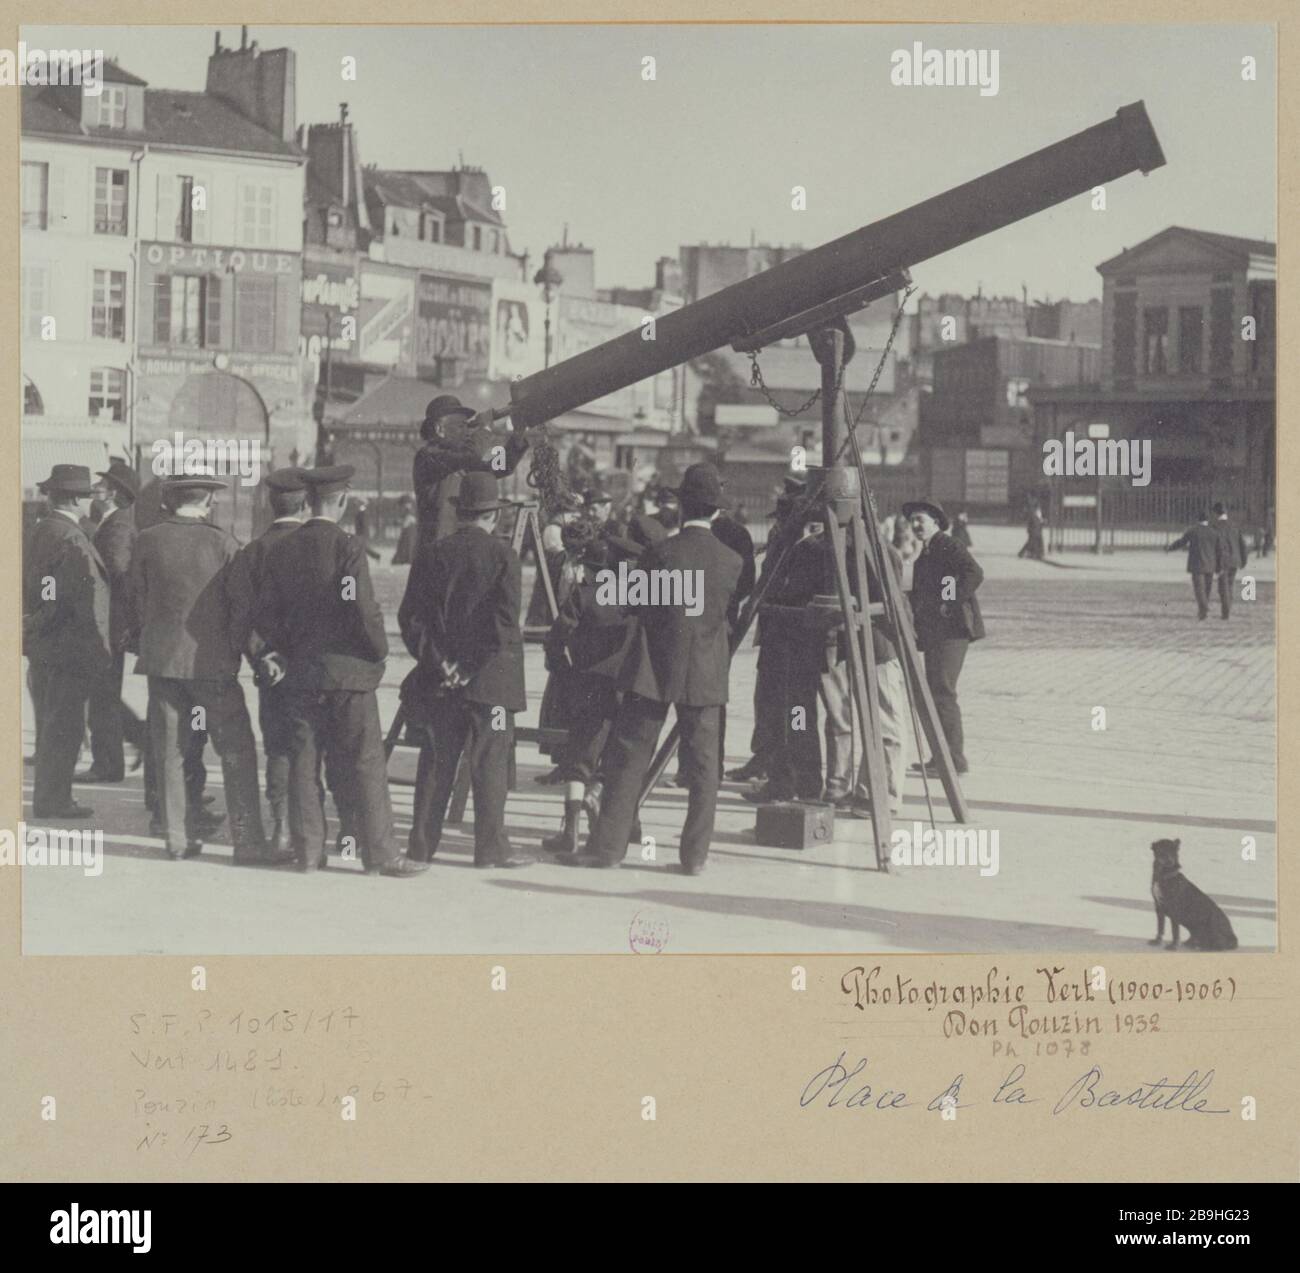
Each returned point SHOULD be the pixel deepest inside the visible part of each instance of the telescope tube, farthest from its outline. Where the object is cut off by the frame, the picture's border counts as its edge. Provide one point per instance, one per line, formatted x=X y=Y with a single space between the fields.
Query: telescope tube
x=1106 y=151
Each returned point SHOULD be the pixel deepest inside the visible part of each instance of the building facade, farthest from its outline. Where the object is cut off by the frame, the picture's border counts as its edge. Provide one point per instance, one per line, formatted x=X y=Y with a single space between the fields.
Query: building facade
x=163 y=236
x=976 y=425
x=1189 y=358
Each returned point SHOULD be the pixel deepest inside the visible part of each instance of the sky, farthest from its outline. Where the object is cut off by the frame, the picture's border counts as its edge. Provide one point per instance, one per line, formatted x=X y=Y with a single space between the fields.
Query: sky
x=736 y=116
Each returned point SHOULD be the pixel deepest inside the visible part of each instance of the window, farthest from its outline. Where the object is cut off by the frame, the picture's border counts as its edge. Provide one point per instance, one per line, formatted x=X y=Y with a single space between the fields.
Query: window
x=110 y=200
x=478 y=238
x=108 y=305
x=184 y=209
x=36 y=298
x=1124 y=344
x=256 y=214
x=187 y=310
x=430 y=228
x=1191 y=325
x=254 y=313
x=987 y=477
x=1155 y=341
x=107 y=392
x=496 y=242
x=112 y=106
x=36 y=196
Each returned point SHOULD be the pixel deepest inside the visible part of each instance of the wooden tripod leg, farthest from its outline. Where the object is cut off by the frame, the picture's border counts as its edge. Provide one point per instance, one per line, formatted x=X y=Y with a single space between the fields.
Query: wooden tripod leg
x=552 y=605
x=862 y=686
x=459 y=791
x=394 y=732
x=915 y=673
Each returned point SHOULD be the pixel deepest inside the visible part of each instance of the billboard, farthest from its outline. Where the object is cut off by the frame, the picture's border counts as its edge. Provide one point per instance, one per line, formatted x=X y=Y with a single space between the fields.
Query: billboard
x=453 y=321
x=518 y=342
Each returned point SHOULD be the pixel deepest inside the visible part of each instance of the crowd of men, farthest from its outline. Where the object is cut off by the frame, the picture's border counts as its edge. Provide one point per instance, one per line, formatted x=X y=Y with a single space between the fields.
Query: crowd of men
x=1214 y=550
x=298 y=605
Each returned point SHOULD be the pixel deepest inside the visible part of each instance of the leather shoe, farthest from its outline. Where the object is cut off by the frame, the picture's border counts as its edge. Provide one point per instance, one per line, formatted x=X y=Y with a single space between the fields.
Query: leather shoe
x=67 y=813
x=192 y=849
x=746 y=772
x=514 y=859
x=95 y=775
x=694 y=868
x=402 y=868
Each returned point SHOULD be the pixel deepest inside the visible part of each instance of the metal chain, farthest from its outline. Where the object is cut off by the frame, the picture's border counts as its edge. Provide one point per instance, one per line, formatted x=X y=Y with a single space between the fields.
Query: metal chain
x=880 y=367
x=756 y=382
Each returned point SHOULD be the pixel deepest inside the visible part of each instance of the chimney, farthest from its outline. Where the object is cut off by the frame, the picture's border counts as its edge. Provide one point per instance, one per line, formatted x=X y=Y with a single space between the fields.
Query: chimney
x=259 y=85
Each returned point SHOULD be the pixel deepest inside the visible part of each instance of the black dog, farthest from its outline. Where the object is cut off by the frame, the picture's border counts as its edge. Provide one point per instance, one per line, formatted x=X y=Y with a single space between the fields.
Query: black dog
x=1176 y=896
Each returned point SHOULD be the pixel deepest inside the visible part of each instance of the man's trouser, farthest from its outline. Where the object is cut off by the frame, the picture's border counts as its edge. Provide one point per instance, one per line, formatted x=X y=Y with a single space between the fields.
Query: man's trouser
x=341 y=729
x=112 y=722
x=1201 y=586
x=177 y=708
x=62 y=694
x=1227 y=578
x=627 y=758
x=841 y=740
x=463 y=727
x=943 y=663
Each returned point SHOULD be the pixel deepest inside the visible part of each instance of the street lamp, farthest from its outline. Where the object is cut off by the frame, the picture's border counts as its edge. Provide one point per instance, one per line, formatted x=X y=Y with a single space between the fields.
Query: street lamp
x=550 y=280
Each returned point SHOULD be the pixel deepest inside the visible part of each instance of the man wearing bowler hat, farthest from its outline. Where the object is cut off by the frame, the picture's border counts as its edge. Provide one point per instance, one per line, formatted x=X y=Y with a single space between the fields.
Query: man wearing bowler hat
x=946 y=616
x=460 y=620
x=316 y=609
x=455 y=439
x=287 y=495
x=112 y=722
x=678 y=658
x=189 y=649
x=65 y=635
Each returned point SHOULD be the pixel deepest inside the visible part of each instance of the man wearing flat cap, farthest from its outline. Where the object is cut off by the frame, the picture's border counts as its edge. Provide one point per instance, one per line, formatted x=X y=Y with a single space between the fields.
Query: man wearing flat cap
x=316 y=609
x=681 y=656
x=946 y=615
x=189 y=650
x=456 y=441
x=65 y=635
x=287 y=496
x=111 y=721
x=460 y=615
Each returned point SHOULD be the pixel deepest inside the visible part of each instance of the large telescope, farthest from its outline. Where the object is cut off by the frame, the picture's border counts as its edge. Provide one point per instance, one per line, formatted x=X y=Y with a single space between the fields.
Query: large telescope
x=852 y=264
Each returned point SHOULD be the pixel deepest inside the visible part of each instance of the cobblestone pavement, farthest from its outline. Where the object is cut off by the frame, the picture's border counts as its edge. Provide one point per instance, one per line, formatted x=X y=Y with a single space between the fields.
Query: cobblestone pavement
x=1187 y=751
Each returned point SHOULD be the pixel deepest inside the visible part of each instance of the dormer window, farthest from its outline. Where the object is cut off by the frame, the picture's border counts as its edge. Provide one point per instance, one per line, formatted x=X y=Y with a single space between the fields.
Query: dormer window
x=112 y=106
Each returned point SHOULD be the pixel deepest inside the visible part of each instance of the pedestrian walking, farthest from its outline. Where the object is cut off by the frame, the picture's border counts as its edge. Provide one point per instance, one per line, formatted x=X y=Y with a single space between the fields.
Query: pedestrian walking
x=1203 y=551
x=1230 y=557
